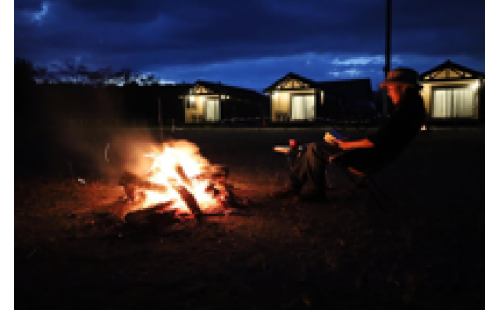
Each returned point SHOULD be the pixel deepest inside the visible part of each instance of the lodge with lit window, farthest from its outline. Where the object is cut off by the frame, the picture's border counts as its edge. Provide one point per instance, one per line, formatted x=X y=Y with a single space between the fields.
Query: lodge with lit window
x=453 y=92
x=296 y=98
x=208 y=102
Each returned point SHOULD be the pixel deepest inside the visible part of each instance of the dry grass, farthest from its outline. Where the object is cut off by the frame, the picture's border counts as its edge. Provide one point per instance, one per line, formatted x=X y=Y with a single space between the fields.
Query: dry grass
x=426 y=251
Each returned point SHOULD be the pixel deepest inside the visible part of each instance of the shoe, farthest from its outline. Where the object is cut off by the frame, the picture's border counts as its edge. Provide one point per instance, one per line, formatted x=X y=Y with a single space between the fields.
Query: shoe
x=286 y=192
x=315 y=196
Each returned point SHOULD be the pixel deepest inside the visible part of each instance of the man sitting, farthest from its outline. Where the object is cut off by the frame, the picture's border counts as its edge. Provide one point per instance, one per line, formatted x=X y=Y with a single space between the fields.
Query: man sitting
x=308 y=172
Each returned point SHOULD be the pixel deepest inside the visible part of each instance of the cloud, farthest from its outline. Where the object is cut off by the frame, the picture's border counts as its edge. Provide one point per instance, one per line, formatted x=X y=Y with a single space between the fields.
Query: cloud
x=207 y=34
x=38 y=16
x=259 y=73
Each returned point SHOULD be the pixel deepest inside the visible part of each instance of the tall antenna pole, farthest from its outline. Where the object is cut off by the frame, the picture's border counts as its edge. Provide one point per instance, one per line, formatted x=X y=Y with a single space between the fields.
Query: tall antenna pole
x=160 y=121
x=388 y=27
x=387 y=67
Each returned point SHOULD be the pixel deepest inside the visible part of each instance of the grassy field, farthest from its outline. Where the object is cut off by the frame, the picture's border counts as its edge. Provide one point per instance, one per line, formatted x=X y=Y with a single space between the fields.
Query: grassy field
x=426 y=251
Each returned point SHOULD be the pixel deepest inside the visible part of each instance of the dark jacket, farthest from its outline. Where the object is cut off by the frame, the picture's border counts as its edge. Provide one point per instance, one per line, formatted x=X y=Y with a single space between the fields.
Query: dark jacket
x=392 y=136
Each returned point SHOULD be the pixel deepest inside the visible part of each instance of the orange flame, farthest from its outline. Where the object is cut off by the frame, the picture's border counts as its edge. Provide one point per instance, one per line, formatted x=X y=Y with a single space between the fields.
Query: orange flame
x=178 y=164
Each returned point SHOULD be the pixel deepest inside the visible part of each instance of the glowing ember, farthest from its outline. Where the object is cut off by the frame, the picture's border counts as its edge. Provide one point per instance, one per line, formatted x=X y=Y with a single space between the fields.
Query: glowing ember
x=181 y=176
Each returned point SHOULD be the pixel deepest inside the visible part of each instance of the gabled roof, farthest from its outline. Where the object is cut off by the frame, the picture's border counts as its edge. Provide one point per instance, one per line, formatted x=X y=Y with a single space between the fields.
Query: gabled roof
x=180 y=89
x=291 y=76
x=454 y=67
x=354 y=89
x=232 y=91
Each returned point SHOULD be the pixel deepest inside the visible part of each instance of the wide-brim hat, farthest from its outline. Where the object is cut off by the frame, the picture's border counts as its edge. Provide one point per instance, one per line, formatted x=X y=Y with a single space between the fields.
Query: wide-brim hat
x=404 y=76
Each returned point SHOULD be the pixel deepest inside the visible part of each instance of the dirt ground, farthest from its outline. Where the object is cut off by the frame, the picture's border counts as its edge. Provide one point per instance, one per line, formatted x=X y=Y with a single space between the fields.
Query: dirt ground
x=425 y=251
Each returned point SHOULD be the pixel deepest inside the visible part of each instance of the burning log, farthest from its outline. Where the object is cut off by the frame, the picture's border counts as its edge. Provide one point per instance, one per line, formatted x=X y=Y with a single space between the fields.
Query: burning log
x=182 y=174
x=190 y=201
x=133 y=183
x=129 y=178
x=223 y=172
x=218 y=173
x=154 y=214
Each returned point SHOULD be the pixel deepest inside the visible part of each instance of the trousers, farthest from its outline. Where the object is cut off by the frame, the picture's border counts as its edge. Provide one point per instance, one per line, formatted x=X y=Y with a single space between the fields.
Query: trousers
x=307 y=172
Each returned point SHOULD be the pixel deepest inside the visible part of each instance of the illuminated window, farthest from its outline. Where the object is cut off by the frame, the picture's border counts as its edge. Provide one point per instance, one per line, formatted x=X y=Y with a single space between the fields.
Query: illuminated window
x=303 y=107
x=453 y=102
x=191 y=102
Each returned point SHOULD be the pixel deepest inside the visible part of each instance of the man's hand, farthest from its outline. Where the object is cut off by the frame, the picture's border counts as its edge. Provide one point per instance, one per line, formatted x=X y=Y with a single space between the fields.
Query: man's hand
x=331 y=139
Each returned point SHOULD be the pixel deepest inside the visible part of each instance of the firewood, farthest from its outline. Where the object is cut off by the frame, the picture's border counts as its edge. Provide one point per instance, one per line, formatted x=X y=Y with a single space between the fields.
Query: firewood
x=129 y=180
x=180 y=171
x=144 y=216
x=213 y=173
x=190 y=201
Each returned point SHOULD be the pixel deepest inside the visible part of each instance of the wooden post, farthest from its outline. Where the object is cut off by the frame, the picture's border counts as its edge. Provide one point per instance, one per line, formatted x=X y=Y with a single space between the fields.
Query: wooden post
x=387 y=66
x=388 y=26
x=160 y=122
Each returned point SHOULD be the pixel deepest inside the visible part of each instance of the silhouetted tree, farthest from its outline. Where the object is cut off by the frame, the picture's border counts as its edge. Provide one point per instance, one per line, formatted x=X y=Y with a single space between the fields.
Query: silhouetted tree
x=70 y=71
x=24 y=91
x=64 y=93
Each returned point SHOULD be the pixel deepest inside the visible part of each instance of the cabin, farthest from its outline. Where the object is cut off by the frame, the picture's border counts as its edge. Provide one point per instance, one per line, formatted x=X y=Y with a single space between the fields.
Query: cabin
x=296 y=98
x=208 y=102
x=453 y=92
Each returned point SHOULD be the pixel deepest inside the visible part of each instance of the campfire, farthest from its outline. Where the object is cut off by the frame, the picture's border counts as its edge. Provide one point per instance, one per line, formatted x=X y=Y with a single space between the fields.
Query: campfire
x=179 y=181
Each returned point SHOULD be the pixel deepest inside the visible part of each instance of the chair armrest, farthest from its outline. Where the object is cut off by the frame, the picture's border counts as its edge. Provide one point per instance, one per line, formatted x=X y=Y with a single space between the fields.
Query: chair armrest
x=332 y=158
x=356 y=172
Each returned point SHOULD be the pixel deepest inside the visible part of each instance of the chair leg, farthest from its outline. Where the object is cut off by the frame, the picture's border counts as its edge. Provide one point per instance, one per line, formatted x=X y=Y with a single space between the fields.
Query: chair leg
x=374 y=191
x=378 y=202
x=378 y=190
x=358 y=185
x=365 y=182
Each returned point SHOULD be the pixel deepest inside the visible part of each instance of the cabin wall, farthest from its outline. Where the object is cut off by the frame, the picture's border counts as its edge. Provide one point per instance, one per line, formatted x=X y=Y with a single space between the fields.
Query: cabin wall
x=195 y=113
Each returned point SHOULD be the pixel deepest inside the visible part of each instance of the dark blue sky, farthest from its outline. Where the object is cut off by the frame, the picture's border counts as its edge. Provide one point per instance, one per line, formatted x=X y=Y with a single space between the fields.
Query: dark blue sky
x=250 y=43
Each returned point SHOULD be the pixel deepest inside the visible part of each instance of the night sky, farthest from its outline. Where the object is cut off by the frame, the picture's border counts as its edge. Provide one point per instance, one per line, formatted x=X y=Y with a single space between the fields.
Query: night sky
x=250 y=43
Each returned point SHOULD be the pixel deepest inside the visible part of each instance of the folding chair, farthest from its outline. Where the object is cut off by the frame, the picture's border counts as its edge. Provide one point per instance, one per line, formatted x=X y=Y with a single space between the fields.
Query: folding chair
x=360 y=179
x=363 y=178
